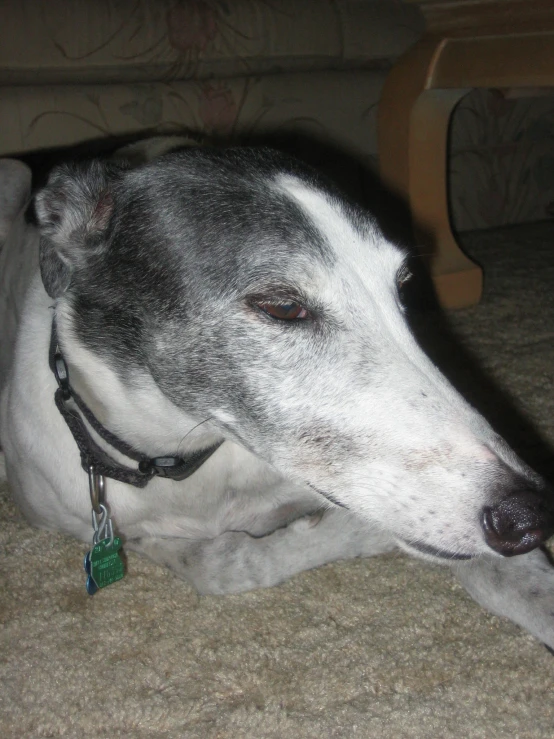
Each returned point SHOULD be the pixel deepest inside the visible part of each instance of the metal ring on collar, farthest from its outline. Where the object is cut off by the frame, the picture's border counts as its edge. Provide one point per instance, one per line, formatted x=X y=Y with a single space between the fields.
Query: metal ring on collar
x=96 y=485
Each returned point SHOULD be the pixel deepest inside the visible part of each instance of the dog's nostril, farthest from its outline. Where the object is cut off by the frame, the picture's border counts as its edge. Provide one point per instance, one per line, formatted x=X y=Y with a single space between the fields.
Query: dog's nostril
x=518 y=524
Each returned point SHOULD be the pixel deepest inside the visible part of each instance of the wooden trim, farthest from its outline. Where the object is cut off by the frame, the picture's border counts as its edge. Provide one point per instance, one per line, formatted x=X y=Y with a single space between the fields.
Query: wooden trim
x=460 y=289
x=468 y=44
x=485 y=17
x=503 y=61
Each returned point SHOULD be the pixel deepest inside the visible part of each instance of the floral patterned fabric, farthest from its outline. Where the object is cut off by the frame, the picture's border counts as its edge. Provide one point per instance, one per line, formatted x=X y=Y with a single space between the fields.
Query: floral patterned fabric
x=73 y=71
x=327 y=118
x=76 y=71
x=63 y=41
x=331 y=107
x=501 y=160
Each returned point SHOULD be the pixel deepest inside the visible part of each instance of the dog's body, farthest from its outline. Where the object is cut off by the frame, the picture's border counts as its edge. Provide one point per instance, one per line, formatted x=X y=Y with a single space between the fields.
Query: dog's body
x=232 y=297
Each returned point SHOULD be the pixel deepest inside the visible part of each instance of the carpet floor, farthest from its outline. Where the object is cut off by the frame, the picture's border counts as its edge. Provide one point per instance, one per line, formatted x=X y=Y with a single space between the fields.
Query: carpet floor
x=386 y=647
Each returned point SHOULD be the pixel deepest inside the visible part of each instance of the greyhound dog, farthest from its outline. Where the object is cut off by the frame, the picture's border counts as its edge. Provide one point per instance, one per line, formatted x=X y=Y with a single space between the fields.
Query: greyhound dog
x=211 y=347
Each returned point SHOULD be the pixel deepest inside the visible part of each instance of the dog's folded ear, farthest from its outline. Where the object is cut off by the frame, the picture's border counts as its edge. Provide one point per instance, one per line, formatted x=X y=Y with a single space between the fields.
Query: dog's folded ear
x=74 y=210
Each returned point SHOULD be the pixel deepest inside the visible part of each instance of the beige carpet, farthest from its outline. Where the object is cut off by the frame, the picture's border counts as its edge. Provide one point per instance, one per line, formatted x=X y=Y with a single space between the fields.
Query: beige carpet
x=376 y=648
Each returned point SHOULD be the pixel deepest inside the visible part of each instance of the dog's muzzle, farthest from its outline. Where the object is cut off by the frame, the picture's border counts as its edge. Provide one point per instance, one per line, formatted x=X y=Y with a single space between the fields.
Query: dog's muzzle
x=521 y=521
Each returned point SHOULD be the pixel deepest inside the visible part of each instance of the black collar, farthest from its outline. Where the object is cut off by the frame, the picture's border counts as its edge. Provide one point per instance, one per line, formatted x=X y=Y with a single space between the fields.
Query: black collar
x=175 y=468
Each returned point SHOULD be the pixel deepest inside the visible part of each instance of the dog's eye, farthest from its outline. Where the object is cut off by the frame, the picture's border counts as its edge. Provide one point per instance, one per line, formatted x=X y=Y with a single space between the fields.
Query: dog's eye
x=287 y=311
x=403 y=276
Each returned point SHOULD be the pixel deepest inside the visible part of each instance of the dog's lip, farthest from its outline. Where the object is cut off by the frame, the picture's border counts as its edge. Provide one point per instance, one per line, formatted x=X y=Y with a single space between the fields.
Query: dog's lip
x=329 y=496
x=435 y=552
x=420 y=546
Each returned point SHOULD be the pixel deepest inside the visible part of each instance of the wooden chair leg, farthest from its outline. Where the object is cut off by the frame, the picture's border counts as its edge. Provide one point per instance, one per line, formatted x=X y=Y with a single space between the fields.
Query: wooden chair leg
x=458 y=281
x=413 y=134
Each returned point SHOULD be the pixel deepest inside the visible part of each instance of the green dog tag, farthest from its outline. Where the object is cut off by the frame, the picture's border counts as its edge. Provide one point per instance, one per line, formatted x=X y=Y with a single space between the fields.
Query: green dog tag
x=106 y=565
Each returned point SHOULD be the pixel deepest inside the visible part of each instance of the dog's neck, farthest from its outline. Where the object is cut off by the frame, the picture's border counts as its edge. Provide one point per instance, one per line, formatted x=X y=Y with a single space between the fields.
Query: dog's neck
x=124 y=422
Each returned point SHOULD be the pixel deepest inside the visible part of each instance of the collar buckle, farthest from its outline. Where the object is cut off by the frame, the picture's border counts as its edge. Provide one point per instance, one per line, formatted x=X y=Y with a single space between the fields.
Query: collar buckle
x=172 y=468
x=61 y=374
x=96 y=461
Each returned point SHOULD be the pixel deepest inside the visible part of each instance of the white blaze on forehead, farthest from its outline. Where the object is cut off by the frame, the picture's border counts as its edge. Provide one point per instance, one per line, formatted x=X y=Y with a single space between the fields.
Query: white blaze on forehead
x=361 y=284
x=349 y=244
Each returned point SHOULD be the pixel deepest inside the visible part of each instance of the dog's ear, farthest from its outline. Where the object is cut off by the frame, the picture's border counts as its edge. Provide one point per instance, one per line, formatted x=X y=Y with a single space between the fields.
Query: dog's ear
x=74 y=212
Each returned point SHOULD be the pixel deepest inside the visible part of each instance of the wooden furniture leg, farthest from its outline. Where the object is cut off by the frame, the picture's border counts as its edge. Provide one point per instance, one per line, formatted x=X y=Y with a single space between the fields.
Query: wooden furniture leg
x=413 y=126
x=467 y=44
x=458 y=281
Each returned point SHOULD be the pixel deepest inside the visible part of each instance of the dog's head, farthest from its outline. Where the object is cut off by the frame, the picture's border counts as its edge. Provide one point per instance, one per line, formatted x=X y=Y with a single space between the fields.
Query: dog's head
x=235 y=287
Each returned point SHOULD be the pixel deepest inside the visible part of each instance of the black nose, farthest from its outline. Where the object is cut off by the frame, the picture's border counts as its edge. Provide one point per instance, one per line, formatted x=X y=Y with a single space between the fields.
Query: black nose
x=520 y=522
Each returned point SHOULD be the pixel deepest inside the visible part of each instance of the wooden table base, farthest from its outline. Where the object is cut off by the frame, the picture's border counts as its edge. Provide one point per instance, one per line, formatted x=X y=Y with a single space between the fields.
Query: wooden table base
x=468 y=44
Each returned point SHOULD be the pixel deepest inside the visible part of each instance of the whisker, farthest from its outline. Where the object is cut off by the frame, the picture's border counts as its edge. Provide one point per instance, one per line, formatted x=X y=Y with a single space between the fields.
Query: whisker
x=209 y=418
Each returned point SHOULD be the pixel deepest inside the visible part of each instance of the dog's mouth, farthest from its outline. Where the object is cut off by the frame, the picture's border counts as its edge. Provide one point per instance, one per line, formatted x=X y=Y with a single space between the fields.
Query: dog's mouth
x=413 y=546
x=431 y=551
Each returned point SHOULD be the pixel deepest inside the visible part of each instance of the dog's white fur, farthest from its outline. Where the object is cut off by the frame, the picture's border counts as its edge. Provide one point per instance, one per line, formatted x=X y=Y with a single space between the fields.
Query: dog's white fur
x=419 y=471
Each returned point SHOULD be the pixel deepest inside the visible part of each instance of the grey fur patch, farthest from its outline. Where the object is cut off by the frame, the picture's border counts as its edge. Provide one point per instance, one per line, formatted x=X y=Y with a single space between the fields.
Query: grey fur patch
x=73 y=212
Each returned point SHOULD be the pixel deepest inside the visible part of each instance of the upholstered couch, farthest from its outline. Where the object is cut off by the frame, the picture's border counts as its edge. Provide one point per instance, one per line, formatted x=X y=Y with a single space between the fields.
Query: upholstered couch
x=73 y=71
x=81 y=72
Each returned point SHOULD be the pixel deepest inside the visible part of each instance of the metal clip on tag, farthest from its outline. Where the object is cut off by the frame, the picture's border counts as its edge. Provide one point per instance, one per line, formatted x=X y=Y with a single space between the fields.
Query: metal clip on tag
x=96 y=486
x=103 y=563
